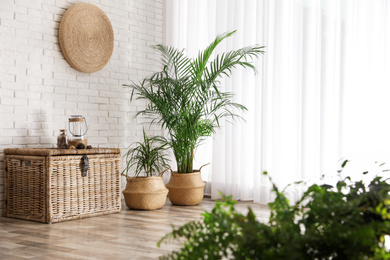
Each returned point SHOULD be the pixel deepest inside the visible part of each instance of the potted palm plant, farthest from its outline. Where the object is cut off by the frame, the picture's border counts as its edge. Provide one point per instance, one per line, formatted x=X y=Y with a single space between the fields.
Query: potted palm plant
x=146 y=192
x=186 y=99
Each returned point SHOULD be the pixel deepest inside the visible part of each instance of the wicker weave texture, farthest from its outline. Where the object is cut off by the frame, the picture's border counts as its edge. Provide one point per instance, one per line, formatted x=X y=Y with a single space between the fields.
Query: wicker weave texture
x=25 y=191
x=51 y=189
x=86 y=37
x=147 y=193
x=186 y=189
x=55 y=151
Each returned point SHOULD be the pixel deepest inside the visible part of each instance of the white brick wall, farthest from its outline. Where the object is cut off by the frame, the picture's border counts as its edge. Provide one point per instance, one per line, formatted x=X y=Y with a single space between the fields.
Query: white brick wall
x=39 y=90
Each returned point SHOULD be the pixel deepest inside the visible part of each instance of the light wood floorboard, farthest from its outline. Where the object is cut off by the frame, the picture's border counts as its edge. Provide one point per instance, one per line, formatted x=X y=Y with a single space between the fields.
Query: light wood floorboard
x=130 y=234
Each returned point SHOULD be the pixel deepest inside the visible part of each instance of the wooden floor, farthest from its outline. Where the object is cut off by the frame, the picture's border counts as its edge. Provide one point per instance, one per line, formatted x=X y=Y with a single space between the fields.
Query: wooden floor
x=130 y=234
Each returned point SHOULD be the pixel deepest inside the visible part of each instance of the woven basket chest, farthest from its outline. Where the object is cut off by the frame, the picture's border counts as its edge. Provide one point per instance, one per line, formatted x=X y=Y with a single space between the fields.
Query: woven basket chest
x=53 y=185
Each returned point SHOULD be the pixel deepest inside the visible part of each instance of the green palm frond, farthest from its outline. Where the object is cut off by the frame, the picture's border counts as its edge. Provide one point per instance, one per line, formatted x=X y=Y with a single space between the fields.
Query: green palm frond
x=201 y=62
x=186 y=99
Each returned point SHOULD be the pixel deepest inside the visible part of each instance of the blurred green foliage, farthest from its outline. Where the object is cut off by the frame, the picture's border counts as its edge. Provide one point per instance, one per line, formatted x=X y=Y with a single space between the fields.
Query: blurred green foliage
x=348 y=221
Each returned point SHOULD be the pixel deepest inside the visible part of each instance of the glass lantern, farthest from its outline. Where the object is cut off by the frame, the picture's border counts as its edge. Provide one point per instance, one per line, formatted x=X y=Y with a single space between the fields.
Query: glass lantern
x=78 y=129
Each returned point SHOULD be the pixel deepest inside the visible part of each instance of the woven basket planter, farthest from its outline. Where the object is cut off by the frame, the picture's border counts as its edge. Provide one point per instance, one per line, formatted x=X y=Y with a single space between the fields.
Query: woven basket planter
x=185 y=189
x=147 y=193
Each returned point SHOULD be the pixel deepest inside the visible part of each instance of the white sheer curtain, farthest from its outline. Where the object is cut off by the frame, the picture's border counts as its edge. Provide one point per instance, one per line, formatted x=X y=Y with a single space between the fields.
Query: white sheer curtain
x=321 y=94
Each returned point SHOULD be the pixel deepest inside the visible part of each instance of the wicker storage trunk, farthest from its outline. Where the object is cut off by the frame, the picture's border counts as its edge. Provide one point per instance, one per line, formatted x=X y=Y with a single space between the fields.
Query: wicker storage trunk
x=46 y=185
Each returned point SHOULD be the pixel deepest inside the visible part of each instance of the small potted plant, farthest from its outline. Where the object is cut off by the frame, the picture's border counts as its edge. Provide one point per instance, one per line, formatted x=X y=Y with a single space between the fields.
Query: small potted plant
x=147 y=160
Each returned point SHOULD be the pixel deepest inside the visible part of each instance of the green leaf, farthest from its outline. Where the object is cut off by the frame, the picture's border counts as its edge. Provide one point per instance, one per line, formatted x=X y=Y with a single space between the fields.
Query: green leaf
x=185 y=97
x=344 y=163
x=349 y=222
x=149 y=157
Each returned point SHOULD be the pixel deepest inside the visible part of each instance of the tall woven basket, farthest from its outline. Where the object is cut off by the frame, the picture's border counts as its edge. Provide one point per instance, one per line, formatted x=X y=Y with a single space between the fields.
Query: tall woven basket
x=186 y=189
x=147 y=193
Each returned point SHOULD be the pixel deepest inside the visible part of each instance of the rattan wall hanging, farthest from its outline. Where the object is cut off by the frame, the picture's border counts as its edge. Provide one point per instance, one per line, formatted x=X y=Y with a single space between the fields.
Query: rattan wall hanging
x=86 y=37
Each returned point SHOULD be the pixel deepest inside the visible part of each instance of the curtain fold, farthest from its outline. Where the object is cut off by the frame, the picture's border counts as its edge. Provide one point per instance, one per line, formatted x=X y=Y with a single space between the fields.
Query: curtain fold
x=321 y=92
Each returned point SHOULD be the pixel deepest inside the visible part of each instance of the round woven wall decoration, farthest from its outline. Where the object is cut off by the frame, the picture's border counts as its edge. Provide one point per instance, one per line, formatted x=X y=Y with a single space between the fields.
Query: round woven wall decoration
x=86 y=37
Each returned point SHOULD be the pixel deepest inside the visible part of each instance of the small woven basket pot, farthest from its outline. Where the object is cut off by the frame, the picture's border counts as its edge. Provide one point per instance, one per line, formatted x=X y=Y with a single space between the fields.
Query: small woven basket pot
x=147 y=193
x=185 y=189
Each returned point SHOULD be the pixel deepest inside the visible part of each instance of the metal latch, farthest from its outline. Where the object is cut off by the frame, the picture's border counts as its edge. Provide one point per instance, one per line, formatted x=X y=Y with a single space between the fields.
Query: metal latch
x=85 y=165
